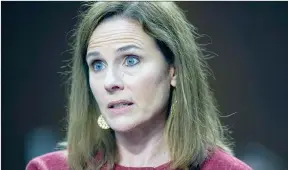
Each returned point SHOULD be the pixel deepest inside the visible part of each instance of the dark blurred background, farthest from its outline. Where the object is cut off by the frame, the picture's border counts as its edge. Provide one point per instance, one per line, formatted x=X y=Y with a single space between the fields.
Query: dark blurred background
x=249 y=38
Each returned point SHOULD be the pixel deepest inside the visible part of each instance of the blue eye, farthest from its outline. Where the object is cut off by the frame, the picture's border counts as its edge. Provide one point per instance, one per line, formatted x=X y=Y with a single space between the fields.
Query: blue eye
x=131 y=60
x=98 y=65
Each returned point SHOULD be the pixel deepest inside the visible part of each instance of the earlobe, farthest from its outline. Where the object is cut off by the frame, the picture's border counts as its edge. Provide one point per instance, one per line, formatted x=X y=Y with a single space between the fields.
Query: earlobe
x=173 y=81
x=173 y=76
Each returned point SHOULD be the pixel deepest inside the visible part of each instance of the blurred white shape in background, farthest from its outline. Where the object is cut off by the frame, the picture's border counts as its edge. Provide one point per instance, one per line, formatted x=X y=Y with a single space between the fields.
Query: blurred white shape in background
x=38 y=142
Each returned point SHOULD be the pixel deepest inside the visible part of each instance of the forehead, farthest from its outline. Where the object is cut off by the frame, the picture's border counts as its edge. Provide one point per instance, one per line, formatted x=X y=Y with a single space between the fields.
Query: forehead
x=118 y=30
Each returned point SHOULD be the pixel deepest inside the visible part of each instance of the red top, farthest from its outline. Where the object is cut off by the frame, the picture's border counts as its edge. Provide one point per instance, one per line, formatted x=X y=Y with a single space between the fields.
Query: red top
x=217 y=161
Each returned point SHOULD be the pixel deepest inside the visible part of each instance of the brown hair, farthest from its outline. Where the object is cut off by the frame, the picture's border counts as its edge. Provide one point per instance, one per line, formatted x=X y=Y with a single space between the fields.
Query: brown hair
x=192 y=130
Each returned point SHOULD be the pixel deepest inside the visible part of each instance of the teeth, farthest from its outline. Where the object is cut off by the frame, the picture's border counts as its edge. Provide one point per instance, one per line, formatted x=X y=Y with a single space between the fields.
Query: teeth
x=120 y=105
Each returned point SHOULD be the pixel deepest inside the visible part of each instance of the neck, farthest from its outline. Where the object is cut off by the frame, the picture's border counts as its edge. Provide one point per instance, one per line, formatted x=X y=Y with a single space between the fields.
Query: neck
x=143 y=146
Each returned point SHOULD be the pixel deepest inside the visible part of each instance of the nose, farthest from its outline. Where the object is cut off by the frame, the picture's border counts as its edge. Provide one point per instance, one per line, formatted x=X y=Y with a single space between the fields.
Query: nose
x=113 y=81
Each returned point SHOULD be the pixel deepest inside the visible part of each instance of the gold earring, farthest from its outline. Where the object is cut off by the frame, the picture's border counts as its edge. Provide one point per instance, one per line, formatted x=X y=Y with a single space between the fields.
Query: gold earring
x=102 y=122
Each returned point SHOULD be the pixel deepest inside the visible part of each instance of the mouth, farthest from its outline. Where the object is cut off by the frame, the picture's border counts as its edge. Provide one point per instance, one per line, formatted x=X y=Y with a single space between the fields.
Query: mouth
x=120 y=107
x=119 y=104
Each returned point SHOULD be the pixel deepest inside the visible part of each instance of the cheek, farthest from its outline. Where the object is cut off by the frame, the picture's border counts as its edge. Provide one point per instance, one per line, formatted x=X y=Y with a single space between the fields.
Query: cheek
x=96 y=89
x=149 y=87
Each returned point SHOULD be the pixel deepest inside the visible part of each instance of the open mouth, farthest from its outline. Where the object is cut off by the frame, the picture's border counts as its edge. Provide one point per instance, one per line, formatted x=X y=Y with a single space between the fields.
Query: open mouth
x=119 y=104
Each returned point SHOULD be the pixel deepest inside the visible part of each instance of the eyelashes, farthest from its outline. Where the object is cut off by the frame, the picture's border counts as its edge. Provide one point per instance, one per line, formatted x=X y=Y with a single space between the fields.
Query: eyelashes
x=129 y=61
x=98 y=65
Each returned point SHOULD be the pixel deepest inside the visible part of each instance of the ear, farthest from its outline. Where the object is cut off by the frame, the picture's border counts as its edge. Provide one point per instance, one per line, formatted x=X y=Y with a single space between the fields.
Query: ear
x=172 y=73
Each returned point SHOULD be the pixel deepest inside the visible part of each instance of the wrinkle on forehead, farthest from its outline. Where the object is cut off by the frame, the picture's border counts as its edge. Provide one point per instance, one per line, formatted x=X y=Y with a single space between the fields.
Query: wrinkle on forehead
x=114 y=38
x=120 y=30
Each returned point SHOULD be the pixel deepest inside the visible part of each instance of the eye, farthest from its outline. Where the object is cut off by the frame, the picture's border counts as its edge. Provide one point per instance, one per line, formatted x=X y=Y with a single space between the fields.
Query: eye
x=98 y=65
x=131 y=60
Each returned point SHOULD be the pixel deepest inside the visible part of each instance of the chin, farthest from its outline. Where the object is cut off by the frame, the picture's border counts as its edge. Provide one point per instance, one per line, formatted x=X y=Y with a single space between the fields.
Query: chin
x=123 y=126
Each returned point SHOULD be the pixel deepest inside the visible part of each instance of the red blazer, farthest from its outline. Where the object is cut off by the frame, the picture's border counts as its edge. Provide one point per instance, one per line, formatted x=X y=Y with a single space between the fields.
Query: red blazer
x=217 y=161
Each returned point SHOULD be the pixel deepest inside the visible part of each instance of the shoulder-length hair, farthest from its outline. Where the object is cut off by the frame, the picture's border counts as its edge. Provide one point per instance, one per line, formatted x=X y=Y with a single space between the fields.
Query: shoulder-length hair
x=194 y=129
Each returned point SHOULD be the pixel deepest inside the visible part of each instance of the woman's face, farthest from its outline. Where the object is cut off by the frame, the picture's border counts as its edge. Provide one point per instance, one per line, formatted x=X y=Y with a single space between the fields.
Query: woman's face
x=128 y=74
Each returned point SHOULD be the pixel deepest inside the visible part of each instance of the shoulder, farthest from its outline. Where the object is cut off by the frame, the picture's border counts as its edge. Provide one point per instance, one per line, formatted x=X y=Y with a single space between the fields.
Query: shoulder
x=220 y=160
x=50 y=161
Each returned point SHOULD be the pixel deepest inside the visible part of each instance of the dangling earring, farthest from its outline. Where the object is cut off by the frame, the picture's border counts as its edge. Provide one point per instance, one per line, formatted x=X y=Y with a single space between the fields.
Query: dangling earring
x=102 y=122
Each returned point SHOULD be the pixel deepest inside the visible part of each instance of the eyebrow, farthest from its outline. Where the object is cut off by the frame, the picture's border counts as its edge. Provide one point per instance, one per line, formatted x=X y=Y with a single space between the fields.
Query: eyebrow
x=127 y=47
x=121 y=49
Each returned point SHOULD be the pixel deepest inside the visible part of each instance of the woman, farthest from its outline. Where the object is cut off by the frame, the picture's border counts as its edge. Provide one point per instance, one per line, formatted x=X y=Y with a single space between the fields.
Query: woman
x=139 y=96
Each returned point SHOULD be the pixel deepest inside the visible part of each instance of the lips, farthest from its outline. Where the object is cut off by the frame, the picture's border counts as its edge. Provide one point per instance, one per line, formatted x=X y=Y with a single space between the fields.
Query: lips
x=120 y=107
x=119 y=104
